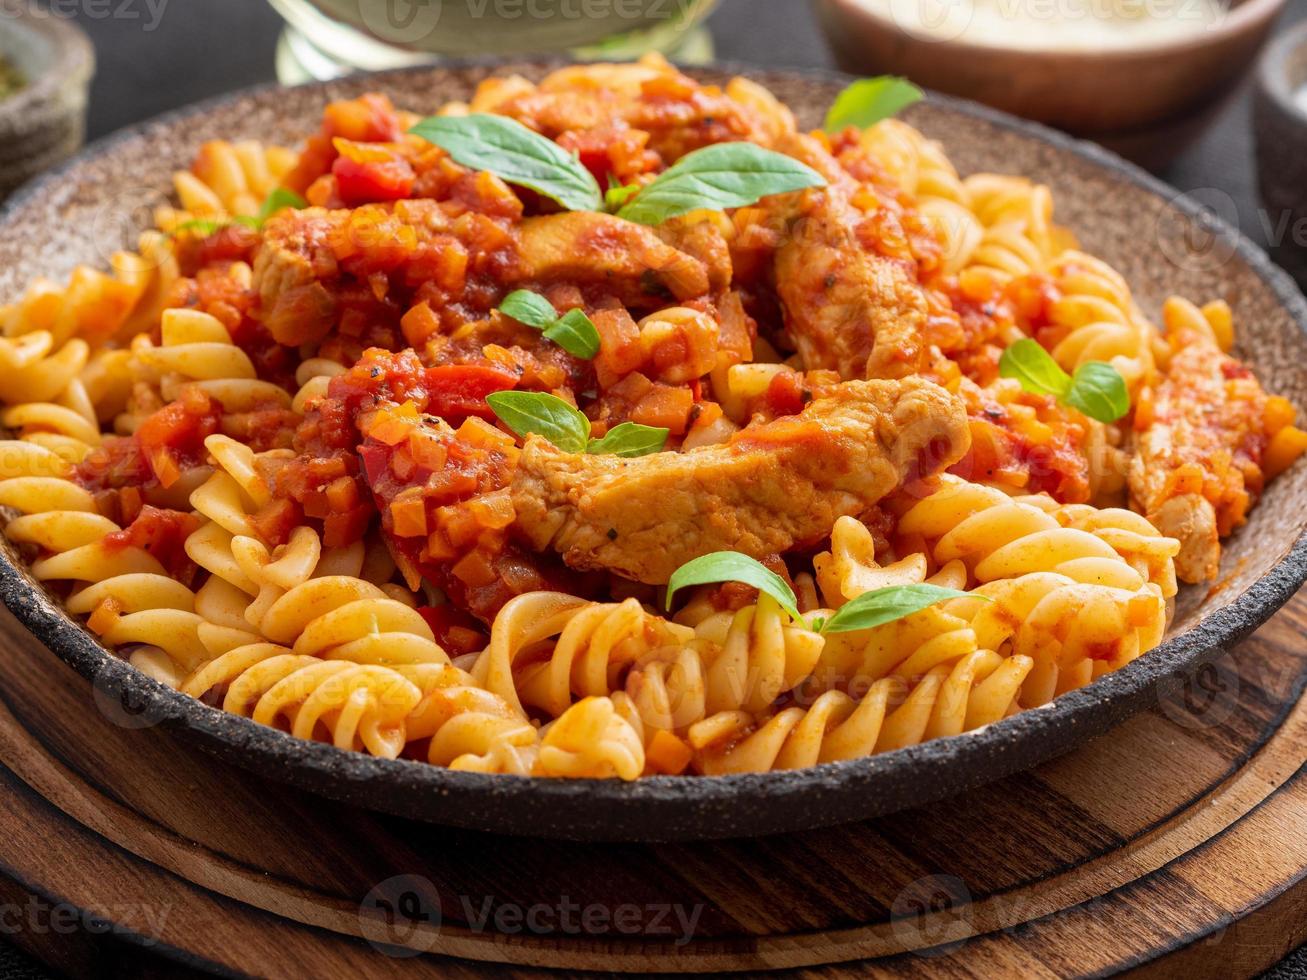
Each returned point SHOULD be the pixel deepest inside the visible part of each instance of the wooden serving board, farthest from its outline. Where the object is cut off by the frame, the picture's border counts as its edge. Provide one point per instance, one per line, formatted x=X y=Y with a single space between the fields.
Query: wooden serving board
x=1176 y=846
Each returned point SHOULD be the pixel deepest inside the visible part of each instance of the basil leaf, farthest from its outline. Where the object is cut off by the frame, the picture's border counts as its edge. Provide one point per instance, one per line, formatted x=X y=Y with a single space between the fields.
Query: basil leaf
x=279 y=199
x=535 y=412
x=619 y=194
x=575 y=333
x=724 y=175
x=1098 y=390
x=869 y=100
x=203 y=227
x=881 y=606
x=1034 y=367
x=731 y=566
x=509 y=150
x=530 y=308
x=630 y=440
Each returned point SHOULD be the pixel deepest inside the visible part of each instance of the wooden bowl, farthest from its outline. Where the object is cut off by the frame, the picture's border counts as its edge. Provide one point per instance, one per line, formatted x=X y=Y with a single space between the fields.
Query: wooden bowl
x=45 y=121
x=1160 y=243
x=1113 y=93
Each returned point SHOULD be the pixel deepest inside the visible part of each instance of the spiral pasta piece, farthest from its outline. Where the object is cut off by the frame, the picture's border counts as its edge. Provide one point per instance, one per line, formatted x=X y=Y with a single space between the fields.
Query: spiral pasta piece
x=1096 y=319
x=227 y=179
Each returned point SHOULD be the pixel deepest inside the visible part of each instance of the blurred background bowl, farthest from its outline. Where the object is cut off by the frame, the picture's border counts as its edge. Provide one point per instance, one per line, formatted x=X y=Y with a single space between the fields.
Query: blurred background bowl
x=45 y=120
x=1147 y=100
x=1280 y=127
x=329 y=38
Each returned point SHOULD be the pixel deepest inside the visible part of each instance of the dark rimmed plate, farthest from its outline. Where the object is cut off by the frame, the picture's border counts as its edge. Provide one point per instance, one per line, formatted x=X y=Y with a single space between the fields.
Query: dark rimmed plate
x=1161 y=243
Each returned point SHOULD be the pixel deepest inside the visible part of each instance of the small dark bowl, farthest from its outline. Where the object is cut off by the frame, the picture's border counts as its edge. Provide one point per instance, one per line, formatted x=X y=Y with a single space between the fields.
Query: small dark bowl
x=1280 y=128
x=1161 y=242
x=45 y=121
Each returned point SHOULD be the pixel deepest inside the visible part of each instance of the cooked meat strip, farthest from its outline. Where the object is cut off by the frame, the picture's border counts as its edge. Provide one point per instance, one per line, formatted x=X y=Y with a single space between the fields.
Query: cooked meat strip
x=630 y=261
x=773 y=487
x=1196 y=470
x=846 y=308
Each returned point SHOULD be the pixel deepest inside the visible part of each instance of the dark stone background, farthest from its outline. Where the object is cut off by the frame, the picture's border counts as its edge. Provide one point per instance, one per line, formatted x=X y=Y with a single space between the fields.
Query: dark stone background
x=203 y=48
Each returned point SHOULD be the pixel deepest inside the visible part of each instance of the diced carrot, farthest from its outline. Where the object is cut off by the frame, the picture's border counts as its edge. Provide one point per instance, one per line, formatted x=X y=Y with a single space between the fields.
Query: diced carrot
x=130 y=500
x=1283 y=450
x=478 y=432
x=339 y=530
x=665 y=407
x=1279 y=413
x=389 y=430
x=426 y=449
x=438 y=547
x=274 y=522
x=409 y=517
x=667 y=754
x=493 y=510
x=459 y=525
x=105 y=615
x=475 y=570
x=342 y=493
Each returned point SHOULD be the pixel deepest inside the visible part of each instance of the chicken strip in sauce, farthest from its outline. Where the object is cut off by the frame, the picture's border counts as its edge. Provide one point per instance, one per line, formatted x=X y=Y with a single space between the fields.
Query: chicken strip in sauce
x=846 y=308
x=1201 y=434
x=773 y=487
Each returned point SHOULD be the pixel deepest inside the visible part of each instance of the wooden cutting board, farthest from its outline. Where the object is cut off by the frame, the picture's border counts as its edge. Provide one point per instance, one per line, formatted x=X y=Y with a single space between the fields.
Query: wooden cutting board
x=1176 y=846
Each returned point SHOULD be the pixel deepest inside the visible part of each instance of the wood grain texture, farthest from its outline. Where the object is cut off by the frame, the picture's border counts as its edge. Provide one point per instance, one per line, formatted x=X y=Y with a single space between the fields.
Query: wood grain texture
x=1174 y=847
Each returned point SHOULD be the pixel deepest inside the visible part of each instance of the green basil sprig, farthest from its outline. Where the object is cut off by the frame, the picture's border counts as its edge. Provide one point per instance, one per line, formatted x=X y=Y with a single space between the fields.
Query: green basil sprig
x=539 y=413
x=521 y=156
x=278 y=199
x=573 y=331
x=869 y=100
x=881 y=606
x=629 y=440
x=1096 y=389
x=731 y=566
x=619 y=194
x=724 y=175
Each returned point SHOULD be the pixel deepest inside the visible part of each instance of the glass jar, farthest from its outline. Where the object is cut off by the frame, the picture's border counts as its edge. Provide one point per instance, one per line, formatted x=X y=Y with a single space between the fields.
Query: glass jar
x=328 y=38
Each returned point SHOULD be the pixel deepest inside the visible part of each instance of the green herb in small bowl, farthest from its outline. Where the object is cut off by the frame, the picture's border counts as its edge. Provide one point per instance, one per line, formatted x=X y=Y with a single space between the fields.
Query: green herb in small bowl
x=11 y=80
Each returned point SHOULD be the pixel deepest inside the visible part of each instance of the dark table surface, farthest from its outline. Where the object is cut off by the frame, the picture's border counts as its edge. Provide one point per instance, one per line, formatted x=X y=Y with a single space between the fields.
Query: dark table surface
x=202 y=48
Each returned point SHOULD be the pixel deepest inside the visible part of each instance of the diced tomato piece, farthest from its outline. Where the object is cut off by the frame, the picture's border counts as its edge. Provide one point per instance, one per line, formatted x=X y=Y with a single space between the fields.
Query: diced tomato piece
x=458 y=390
x=365 y=183
x=275 y=521
x=163 y=534
x=785 y=395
